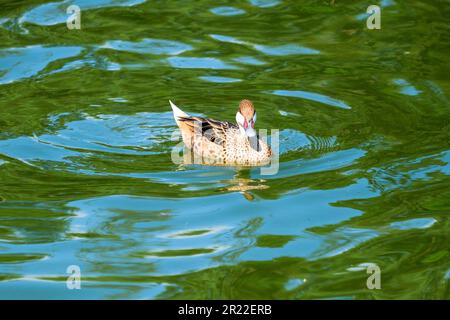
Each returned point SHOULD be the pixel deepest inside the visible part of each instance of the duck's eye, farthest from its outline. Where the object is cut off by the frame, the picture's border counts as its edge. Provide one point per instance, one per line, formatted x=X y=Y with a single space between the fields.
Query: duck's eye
x=245 y=124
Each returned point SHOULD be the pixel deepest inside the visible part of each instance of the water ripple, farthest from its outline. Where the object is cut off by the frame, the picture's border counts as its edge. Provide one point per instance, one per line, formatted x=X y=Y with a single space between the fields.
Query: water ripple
x=282 y=50
x=285 y=50
x=406 y=88
x=55 y=12
x=152 y=46
x=265 y=3
x=313 y=97
x=86 y=136
x=227 y=11
x=217 y=79
x=419 y=223
x=199 y=63
x=20 y=63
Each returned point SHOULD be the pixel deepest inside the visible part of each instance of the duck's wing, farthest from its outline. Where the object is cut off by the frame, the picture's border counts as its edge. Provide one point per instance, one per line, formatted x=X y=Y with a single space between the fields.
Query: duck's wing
x=213 y=130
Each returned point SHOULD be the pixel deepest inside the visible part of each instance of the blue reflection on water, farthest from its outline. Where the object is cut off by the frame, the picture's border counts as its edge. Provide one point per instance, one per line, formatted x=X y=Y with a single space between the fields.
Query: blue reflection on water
x=285 y=50
x=152 y=46
x=419 y=223
x=55 y=12
x=19 y=63
x=218 y=79
x=199 y=63
x=313 y=97
x=406 y=88
x=227 y=11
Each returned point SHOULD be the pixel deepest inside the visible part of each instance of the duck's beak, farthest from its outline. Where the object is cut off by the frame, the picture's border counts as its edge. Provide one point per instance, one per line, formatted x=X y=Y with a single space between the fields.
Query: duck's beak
x=252 y=138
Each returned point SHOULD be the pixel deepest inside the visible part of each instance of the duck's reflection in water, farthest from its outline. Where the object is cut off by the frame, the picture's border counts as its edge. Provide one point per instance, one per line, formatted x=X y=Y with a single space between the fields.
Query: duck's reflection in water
x=241 y=182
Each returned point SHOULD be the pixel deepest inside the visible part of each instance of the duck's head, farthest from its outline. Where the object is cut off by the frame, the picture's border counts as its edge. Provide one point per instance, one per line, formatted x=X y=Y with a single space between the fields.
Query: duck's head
x=246 y=118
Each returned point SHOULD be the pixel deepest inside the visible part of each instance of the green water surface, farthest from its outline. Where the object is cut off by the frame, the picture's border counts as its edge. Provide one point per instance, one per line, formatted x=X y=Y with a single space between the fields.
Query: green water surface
x=86 y=135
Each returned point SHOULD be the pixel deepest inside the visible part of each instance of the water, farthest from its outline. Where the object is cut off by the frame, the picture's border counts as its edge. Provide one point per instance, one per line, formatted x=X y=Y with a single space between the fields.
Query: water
x=86 y=136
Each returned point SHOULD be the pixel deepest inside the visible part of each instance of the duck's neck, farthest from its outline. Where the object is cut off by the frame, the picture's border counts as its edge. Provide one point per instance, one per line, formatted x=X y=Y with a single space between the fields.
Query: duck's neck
x=242 y=131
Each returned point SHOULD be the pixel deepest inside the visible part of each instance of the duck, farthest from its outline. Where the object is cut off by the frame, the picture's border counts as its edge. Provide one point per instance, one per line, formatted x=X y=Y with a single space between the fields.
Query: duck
x=222 y=142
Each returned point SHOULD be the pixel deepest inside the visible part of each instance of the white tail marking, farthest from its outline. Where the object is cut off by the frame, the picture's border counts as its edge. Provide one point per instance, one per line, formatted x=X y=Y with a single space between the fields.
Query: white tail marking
x=177 y=112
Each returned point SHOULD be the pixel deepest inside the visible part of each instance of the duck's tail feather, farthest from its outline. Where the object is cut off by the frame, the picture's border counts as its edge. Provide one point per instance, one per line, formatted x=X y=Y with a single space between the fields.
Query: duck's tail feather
x=177 y=112
x=186 y=130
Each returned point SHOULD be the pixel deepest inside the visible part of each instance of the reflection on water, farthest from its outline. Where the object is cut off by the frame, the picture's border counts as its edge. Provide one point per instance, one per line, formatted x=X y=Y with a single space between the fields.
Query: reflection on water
x=227 y=11
x=86 y=136
x=20 y=63
x=312 y=96
x=52 y=13
x=151 y=46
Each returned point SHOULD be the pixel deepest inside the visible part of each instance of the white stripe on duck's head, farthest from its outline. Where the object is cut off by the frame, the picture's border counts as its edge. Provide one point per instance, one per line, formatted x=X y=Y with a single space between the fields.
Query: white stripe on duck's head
x=246 y=118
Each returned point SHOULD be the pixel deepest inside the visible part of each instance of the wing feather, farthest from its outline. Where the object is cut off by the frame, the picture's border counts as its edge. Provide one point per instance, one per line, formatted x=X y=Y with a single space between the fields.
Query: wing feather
x=213 y=130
